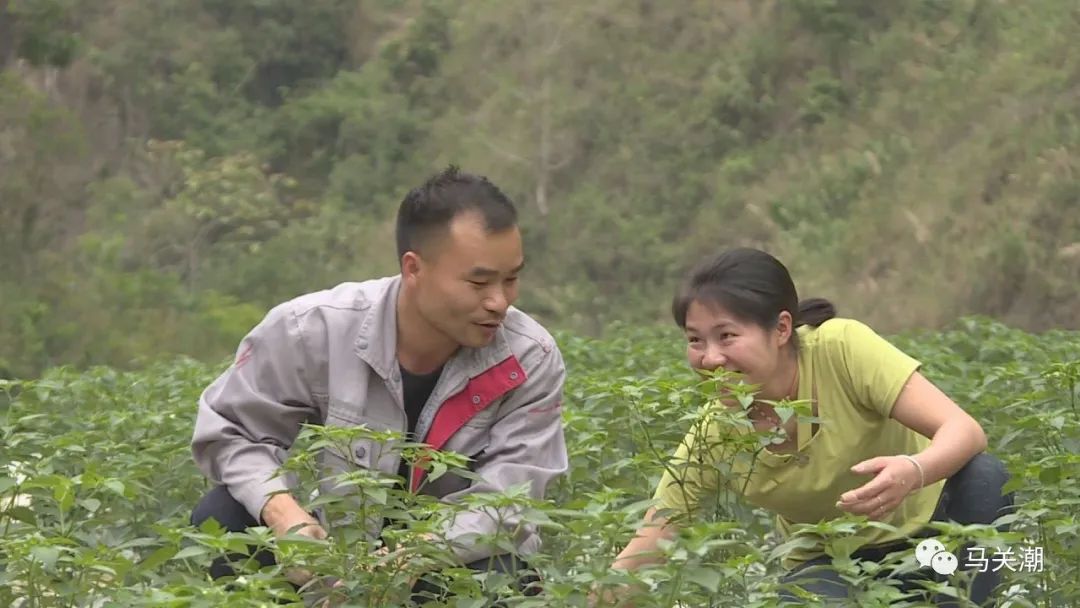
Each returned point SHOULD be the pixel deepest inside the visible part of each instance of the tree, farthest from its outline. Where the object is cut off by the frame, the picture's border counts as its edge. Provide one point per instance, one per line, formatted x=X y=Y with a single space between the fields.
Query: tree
x=41 y=147
x=40 y=32
x=213 y=208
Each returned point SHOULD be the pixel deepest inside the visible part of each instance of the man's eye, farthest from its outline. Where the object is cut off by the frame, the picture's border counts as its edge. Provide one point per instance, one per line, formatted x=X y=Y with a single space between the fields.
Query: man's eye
x=511 y=279
x=479 y=283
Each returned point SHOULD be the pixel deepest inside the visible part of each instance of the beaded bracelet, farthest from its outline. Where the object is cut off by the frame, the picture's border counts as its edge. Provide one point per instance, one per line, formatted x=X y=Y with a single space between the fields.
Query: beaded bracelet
x=922 y=474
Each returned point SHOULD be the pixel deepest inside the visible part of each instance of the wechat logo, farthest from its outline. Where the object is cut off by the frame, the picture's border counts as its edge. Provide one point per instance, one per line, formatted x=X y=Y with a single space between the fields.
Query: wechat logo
x=932 y=553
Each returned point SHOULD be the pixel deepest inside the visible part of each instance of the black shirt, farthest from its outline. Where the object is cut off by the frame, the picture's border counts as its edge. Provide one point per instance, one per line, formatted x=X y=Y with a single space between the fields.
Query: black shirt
x=416 y=389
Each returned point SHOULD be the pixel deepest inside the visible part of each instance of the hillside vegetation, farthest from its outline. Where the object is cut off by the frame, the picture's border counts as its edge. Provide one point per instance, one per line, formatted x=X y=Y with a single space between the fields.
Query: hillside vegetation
x=171 y=169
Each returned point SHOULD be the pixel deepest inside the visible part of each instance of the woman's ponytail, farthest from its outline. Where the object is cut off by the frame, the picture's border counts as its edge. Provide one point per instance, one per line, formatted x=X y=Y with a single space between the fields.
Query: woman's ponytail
x=815 y=311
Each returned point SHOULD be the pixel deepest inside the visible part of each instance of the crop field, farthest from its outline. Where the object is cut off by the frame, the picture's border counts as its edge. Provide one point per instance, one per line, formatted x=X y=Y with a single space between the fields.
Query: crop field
x=97 y=484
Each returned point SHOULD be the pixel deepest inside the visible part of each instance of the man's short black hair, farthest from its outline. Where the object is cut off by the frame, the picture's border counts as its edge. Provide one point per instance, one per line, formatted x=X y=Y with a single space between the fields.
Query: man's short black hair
x=429 y=209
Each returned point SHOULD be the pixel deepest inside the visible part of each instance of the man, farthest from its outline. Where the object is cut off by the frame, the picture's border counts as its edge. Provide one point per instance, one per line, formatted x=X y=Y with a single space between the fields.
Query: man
x=437 y=352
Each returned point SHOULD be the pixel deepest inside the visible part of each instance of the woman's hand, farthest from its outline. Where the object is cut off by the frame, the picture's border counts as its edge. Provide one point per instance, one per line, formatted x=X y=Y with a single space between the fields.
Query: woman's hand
x=642 y=550
x=894 y=478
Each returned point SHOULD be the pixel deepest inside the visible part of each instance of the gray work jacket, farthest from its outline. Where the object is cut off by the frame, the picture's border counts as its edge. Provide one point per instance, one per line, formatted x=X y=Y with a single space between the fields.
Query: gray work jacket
x=330 y=358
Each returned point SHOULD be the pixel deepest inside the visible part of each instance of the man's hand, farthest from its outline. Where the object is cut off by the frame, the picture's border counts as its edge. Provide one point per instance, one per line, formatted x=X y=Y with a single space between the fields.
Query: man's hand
x=621 y=596
x=282 y=513
x=334 y=596
x=393 y=559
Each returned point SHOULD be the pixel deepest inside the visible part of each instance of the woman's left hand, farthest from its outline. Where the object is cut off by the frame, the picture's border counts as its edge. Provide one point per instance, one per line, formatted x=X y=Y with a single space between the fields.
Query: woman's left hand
x=894 y=478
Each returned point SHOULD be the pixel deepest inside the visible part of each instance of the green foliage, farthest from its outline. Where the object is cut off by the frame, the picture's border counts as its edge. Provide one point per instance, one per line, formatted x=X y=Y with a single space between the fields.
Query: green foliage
x=825 y=96
x=290 y=44
x=353 y=134
x=846 y=136
x=44 y=30
x=96 y=485
x=38 y=140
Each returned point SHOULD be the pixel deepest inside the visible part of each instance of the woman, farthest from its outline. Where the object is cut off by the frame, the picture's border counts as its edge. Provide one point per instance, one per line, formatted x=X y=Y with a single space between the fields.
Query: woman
x=882 y=442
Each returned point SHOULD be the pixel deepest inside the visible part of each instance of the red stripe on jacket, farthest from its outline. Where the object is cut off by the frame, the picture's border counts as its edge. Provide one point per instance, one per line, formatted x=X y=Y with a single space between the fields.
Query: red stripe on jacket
x=478 y=394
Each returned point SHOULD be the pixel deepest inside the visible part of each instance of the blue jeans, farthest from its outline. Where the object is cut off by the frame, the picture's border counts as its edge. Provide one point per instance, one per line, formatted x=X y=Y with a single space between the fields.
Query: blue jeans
x=973 y=495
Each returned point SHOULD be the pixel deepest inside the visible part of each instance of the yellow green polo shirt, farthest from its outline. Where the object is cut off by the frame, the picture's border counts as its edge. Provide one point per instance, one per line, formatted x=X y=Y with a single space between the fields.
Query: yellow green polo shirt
x=856 y=376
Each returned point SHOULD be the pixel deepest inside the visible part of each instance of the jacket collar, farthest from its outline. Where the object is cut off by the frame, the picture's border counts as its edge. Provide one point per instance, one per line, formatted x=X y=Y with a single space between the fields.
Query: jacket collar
x=376 y=341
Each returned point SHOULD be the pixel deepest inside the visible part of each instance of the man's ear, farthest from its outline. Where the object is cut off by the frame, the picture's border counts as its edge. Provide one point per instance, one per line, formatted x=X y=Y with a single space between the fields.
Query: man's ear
x=784 y=326
x=411 y=266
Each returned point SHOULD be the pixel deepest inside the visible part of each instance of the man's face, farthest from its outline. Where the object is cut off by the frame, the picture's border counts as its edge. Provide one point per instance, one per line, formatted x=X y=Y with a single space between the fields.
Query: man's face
x=468 y=279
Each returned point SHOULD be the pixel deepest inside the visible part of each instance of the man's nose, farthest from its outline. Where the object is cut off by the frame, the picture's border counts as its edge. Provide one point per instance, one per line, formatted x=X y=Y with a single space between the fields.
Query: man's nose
x=497 y=302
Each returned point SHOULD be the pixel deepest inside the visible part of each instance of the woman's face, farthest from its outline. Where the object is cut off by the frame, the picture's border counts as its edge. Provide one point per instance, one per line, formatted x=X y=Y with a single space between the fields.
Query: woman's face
x=716 y=339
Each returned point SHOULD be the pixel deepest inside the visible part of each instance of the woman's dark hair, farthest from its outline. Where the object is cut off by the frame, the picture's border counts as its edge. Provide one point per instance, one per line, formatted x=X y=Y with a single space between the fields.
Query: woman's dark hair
x=753 y=286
